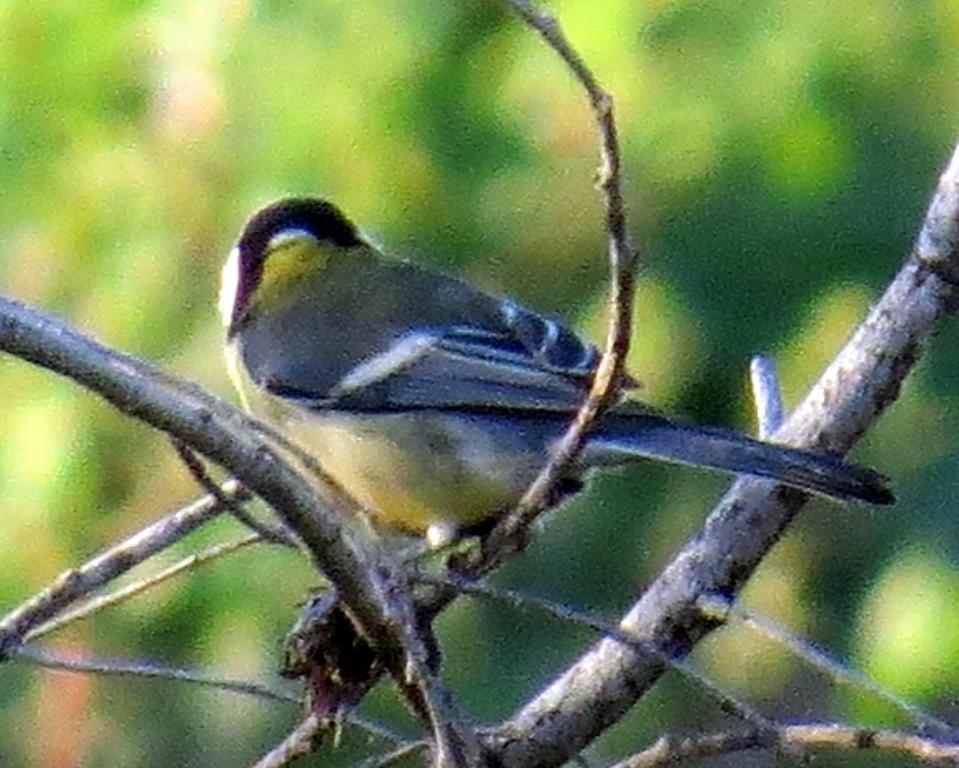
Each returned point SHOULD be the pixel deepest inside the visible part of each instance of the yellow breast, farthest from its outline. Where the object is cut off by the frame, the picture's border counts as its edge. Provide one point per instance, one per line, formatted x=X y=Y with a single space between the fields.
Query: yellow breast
x=410 y=470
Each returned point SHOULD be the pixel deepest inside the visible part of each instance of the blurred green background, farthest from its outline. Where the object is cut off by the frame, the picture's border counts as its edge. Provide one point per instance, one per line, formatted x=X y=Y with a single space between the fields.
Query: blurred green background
x=778 y=155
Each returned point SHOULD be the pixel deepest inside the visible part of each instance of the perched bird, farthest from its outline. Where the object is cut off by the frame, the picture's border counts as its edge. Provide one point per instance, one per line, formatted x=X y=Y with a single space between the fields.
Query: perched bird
x=433 y=404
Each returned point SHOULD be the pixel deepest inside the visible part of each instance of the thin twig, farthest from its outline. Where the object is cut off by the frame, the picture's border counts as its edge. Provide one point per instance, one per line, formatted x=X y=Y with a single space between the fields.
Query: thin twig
x=511 y=532
x=138 y=668
x=77 y=583
x=839 y=670
x=379 y=730
x=395 y=755
x=455 y=743
x=767 y=396
x=97 y=604
x=198 y=472
x=794 y=738
x=308 y=735
x=302 y=741
x=728 y=704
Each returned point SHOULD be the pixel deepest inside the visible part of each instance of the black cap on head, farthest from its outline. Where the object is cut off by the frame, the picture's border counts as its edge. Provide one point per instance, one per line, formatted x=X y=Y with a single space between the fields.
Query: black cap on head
x=319 y=218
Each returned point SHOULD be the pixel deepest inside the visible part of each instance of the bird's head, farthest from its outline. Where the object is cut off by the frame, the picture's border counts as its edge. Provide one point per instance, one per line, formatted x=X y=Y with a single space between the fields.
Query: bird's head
x=282 y=243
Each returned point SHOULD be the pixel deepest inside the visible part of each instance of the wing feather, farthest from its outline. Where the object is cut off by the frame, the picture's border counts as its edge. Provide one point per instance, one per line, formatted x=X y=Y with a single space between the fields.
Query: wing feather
x=455 y=368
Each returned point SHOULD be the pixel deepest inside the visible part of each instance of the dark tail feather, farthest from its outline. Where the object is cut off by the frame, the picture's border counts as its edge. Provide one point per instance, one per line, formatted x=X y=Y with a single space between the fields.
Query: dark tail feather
x=624 y=437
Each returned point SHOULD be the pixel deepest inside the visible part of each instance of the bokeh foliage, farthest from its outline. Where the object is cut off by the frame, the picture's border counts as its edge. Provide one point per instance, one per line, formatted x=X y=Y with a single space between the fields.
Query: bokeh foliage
x=779 y=155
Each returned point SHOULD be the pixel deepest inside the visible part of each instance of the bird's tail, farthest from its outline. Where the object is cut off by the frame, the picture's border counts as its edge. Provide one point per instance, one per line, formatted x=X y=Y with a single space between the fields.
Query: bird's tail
x=623 y=437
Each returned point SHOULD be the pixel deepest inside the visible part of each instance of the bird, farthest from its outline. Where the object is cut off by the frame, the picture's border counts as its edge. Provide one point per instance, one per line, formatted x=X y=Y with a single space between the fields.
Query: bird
x=434 y=404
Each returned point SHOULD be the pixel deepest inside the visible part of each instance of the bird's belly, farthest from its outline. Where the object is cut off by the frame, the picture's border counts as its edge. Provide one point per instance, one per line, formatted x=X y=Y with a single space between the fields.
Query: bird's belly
x=414 y=470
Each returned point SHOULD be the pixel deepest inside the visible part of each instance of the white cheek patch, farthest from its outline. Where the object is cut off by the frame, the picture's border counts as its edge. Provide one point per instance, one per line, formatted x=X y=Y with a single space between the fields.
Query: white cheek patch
x=229 y=285
x=230 y=277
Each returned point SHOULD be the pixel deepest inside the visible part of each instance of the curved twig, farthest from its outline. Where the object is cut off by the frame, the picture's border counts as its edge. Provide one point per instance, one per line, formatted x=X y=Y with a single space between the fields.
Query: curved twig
x=850 y=396
x=511 y=532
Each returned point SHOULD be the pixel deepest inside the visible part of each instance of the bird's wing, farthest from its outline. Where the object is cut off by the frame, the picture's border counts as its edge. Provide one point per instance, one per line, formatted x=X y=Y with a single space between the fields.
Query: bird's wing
x=530 y=362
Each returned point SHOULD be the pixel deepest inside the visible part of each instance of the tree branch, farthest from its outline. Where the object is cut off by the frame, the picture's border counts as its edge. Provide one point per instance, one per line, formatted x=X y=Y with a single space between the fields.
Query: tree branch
x=302 y=740
x=97 y=604
x=850 y=396
x=221 y=433
x=77 y=583
x=373 y=591
x=791 y=739
x=138 y=668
